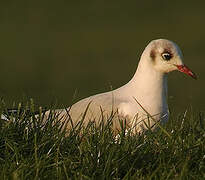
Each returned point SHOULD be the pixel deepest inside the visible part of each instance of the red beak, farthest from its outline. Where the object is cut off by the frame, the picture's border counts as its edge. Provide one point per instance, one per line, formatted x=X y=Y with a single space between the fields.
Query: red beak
x=186 y=70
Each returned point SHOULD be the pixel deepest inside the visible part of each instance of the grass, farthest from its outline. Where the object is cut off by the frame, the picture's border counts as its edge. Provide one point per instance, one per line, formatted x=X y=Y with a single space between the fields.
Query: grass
x=30 y=149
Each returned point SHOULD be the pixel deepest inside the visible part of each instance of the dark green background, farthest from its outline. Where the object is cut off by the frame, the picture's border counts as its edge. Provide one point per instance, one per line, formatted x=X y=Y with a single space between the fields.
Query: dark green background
x=50 y=49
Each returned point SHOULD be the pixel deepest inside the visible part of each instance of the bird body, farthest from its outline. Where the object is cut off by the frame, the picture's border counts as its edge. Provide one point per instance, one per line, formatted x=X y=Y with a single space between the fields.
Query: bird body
x=144 y=95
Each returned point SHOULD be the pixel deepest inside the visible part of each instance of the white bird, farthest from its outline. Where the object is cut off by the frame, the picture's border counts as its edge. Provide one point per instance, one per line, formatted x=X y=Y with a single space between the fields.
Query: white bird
x=143 y=96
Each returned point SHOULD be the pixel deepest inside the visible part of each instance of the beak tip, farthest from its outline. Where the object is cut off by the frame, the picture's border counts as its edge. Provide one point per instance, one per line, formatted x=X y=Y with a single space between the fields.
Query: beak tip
x=195 y=77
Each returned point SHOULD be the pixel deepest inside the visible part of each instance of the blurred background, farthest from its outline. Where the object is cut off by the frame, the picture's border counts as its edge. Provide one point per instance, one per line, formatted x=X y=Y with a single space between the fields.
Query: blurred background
x=57 y=50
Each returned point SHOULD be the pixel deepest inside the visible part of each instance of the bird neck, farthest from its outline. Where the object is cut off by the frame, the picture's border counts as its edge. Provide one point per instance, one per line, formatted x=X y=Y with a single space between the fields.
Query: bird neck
x=148 y=82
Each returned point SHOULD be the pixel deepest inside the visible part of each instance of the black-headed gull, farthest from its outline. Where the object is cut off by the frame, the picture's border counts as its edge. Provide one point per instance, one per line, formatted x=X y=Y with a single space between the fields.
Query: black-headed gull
x=144 y=95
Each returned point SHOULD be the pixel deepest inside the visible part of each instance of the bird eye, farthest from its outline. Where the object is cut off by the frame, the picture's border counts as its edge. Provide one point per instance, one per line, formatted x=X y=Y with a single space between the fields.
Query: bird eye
x=166 y=56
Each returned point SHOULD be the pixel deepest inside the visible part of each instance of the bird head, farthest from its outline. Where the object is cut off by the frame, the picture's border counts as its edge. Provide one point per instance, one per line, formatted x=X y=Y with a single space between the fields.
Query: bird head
x=166 y=56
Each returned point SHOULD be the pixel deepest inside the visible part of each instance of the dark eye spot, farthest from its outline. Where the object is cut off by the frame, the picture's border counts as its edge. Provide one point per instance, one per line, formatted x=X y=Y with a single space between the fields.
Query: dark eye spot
x=166 y=56
x=152 y=54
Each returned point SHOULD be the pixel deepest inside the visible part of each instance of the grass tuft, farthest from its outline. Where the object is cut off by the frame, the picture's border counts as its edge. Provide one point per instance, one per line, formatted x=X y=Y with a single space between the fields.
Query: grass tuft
x=33 y=149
